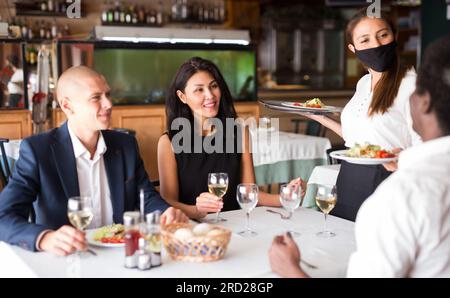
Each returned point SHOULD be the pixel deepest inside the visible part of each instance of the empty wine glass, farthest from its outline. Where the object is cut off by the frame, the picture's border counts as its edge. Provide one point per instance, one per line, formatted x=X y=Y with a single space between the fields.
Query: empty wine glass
x=291 y=199
x=247 y=197
x=79 y=211
x=326 y=199
x=218 y=185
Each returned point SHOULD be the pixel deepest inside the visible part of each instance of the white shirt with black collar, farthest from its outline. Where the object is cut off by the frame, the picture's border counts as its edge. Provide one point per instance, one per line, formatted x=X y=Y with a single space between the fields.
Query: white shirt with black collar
x=393 y=129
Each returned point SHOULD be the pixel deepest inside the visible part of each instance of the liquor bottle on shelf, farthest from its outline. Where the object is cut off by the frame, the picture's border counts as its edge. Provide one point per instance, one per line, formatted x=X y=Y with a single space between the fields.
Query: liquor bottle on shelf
x=160 y=14
x=110 y=15
x=134 y=16
x=24 y=30
x=216 y=12
x=54 y=29
x=50 y=6
x=48 y=32
x=44 y=6
x=200 y=13
x=141 y=15
x=174 y=10
x=184 y=10
x=57 y=6
x=153 y=17
x=116 y=12
x=66 y=30
x=63 y=6
x=122 y=14
x=30 y=34
x=128 y=16
x=222 y=11
x=104 y=14
x=42 y=30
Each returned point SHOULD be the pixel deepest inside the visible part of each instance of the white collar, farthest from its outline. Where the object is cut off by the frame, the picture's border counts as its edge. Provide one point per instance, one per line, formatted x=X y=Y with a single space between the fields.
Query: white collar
x=79 y=149
x=435 y=147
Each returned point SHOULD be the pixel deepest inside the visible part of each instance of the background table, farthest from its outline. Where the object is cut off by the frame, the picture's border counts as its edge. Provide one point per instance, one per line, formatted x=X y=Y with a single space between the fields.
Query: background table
x=245 y=257
x=279 y=157
x=325 y=175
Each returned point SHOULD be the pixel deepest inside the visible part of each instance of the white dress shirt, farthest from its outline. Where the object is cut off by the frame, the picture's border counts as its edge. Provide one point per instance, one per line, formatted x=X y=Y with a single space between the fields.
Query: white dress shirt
x=92 y=180
x=393 y=129
x=403 y=229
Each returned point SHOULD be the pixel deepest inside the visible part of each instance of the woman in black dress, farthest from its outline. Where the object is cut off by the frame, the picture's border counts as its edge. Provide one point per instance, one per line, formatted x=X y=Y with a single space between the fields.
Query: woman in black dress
x=197 y=97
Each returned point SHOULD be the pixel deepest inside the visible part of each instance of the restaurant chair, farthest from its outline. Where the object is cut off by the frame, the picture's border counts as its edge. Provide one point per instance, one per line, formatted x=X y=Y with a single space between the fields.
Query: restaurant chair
x=126 y=130
x=5 y=171
x=313 y=128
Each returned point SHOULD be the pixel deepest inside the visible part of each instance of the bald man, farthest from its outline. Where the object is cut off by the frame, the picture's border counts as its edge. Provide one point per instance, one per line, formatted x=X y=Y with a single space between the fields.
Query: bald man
x=80 y=158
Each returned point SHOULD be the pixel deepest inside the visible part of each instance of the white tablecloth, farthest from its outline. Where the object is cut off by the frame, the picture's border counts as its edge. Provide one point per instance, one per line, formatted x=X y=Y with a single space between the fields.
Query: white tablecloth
x=274 y=146
x=245 y=257
x=325 y=175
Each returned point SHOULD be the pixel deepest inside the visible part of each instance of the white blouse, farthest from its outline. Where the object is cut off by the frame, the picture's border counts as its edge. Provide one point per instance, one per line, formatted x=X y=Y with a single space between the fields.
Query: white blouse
x=393 y=129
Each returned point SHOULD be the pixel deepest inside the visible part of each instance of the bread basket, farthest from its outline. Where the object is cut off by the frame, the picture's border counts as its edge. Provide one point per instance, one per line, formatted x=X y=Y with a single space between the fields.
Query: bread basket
x=205 y=248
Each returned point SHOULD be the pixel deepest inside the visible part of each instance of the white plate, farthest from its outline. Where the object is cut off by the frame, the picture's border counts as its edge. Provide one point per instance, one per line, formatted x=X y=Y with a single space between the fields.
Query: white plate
x=341 y=154
x=90 y=240
x=292 y=105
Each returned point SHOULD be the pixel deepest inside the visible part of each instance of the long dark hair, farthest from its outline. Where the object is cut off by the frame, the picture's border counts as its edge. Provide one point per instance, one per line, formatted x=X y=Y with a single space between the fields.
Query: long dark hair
x=387 y=87
x=175 y=108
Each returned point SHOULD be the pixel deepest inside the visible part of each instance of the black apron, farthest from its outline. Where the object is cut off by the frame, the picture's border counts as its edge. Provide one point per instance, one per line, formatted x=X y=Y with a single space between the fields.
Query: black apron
x=355 y=183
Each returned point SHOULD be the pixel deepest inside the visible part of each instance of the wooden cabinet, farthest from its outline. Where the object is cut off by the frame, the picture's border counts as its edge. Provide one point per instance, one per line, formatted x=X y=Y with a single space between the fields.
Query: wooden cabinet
x=149 y=123
x=247 y=109
x=15 y=124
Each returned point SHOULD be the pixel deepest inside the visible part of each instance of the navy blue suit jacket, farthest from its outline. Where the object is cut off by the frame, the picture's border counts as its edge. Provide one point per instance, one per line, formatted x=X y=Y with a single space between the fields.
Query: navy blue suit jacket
x=45 y=176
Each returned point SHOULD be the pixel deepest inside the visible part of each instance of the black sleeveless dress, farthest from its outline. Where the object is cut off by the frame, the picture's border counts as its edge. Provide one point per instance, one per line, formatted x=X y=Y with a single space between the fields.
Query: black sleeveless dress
x=193 y=170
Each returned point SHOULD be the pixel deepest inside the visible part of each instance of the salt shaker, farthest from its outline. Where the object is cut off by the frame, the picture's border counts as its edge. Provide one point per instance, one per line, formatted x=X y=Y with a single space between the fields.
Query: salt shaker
x=153 y=237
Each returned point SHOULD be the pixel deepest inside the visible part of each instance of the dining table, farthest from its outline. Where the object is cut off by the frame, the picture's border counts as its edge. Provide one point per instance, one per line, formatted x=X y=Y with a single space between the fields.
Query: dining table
x=244 y=257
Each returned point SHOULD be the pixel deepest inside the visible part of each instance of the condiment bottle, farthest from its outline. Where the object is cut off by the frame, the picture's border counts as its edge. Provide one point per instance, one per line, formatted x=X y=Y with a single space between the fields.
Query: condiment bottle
x=132 y=234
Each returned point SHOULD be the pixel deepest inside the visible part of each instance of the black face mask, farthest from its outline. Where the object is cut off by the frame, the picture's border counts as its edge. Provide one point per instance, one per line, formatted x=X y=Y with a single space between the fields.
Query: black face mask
x=379 y=58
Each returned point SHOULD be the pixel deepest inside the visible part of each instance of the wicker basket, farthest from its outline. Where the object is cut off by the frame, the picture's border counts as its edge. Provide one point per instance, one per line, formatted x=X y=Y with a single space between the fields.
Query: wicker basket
x=205 y=248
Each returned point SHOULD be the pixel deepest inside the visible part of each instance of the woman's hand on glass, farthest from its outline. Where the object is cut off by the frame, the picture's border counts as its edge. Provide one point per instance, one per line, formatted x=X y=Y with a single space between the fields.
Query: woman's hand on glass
x=207 y=202
x=300 y=182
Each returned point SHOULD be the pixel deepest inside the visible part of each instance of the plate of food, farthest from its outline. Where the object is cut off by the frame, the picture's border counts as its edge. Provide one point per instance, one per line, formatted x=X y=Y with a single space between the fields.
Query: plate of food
x=107 y=236
x=312 y=105
x=366 y=154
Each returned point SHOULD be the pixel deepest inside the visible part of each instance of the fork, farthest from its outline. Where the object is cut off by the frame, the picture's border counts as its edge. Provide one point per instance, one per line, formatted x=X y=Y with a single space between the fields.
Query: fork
x=308 y=264
x=280 y=214
x=92 y=252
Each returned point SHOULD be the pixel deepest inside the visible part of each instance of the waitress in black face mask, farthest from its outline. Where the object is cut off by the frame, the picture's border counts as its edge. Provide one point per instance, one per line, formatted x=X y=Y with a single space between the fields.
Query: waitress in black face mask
x=378 y=113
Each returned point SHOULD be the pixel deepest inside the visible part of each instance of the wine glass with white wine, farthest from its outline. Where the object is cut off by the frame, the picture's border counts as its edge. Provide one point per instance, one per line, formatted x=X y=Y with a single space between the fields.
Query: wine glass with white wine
x=326 y=199
x=218 y=185
x=79 y=211
x=291 y=199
